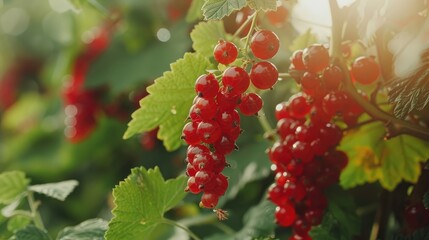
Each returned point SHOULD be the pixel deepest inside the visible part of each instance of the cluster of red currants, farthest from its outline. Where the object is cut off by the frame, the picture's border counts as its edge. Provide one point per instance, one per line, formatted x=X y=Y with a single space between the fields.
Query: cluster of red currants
x=305 y=158
x=81 y=105
x=215 y=120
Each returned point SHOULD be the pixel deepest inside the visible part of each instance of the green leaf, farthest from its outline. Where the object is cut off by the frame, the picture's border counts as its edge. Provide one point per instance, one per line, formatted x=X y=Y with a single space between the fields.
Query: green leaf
x=123 y=70
x=205 y=36
x=303 y=41
x=217 y=9
x=265 y=5
x=373 y=158
x=31 y=232
x=12 y=184
x=169 y=100
x=91 y=229
x=426 y=200
x=340 y=221
x=59 y=190
x=258 y=221
x=141 y=201
x=194 y=12
x=18 y=222
x=411 y=92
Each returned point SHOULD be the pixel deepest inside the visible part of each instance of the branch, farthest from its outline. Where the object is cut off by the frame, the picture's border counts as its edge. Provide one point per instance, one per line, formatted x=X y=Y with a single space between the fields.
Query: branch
x=394 y=126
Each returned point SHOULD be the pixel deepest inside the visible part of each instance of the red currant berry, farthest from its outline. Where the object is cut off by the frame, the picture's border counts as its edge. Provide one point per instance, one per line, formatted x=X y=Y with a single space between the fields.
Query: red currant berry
x=333 y=76
x=310 y=83
x=299 y=106
x=209 y=200
x=189 y=133
x=285 y=215
x=218 y=185
x=209 y=131
x=264 y=75
x=282 y=111
x=207 y=86
x=296 y=60
x=365 y=70
x=315 y=58
x=192 y=186
x=250 y=104
x=264 y=44
x=225 y=52
x=235 y=80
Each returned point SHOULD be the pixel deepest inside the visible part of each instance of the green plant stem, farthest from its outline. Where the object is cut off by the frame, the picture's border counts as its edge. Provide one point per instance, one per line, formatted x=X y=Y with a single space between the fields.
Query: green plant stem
x=284 y=75
x=241 y=28
x=252 y=26
x=186 y=229
x=34 y=213
x=99 y=7
x=262 y=118
x=207 y=219
x=394 y=126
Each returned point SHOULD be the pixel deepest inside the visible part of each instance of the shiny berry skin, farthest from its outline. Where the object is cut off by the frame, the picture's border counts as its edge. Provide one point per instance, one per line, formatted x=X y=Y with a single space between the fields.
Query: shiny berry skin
x=298 y=105
x=315 y=58
x=250 y=104
x=332 y=77
x=282 y=110
x=218 y=185
x=334 y=102
x=264 y=44
x=225 y=52
x=207 y=86
x=285 y=215
x=310 y=83
x=192 y=186
x=209 y=131
x=189 y=133
x=209 y=200
x=264 y=75
x=296 y=60
x=365 y=70
x=235 y=80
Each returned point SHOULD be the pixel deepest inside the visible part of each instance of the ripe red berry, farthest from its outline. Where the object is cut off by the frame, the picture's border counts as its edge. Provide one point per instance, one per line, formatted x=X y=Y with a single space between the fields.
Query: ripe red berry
x=315 y=58
x=332 y=77
x=250 y=104
x=235 y=80
x=189 y=133
x=264 y=44
x=207 y=86
x=264 y=75
x=225 y=52
x=285 y=215
x=209 y=131
x=310 y=83
x=296 y=60
x=365 y=70
x=209 y=200
x=298 y=105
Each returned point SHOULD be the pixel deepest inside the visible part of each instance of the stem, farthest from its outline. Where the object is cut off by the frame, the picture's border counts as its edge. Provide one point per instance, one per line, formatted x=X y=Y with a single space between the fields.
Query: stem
x=241 y=28
x=252 y=26
x=369 y=121
x=262 y=118
x=34 y=213
x=284 y=75
x=176 y=224
x=394 y=126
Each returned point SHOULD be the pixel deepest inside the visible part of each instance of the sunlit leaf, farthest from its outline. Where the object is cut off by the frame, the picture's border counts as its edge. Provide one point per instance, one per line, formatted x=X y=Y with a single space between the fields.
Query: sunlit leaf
x=206 y=35
x=17 y=222
x=373 y=158
x=141 y=201
x=411 y=92
x=12 y=184
x=92 y=229
x=59 y=190
x=169 y=100
x=217 y=9
x=265 y=5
